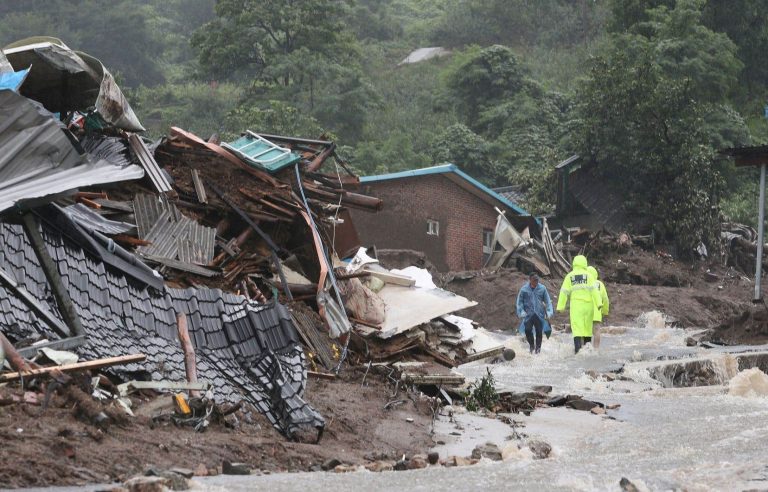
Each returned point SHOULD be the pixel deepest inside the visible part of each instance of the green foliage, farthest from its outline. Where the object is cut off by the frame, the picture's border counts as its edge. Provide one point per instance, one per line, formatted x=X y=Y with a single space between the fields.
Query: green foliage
x=116 y=33
x=249 y=37
x=461 y=146
x=636 y=121
x=276 y=117
x=482 y=394
x=200 y=108
x=686 y=49
x=519 y=22
x=483 y=77
x=670 y=82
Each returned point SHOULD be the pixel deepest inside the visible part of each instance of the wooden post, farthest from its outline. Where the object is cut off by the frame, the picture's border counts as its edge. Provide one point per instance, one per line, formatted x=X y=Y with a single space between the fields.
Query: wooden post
x=190 y=363
x=63 y=301
x=16 y=361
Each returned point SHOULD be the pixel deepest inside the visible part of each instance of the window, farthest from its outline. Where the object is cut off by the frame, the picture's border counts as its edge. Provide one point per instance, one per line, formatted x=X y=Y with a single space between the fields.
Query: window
x=487 y=241
x=433 y=227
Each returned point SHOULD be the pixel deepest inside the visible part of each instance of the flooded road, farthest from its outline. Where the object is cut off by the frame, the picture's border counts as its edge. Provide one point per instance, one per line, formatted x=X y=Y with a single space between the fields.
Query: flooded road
x=662 y=438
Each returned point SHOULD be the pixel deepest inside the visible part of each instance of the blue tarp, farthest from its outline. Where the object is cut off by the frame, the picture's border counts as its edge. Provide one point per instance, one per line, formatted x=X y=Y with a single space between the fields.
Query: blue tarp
x=13 y=80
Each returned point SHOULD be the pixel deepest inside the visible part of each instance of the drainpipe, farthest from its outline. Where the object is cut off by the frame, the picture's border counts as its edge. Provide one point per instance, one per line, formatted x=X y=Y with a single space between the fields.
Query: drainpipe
x=760 y=241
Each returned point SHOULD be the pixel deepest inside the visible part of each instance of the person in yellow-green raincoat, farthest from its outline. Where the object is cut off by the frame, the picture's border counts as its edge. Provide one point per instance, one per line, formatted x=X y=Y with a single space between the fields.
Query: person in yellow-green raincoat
x=599 y=312
x=580 y=287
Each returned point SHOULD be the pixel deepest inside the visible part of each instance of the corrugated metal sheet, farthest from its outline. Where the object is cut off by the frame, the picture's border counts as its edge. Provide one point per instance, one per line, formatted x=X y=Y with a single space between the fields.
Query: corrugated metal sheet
x=199 y=188
x=147 y=209
x=91 y=220
x=112 y=149
x=37 y=159
x=149 y=164
x=115 y=205
x=165 y=235
x=198 y=244
x=183 y=266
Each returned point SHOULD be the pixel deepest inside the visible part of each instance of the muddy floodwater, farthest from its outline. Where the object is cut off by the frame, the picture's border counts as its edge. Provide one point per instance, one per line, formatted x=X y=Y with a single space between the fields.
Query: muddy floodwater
x=677 y=427
x=662 y=437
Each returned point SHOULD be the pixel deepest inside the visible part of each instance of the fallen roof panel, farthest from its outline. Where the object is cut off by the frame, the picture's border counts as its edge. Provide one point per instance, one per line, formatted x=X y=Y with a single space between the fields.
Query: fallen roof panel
x=149 y=164
x=248 y=351
x=64 y=80
x=37 y=159
x=89 y=219
x=409 y=307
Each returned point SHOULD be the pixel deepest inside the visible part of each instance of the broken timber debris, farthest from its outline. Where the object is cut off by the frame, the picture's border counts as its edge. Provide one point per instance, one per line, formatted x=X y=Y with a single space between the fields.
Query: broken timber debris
x=190 y=208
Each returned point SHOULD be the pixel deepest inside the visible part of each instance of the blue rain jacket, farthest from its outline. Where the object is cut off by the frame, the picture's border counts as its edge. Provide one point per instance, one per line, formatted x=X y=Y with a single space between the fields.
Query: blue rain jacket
x=534 y=302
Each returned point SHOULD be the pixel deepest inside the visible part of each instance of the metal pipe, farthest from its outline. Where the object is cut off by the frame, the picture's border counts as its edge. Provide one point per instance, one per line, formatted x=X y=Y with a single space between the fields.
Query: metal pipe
x=760 y=240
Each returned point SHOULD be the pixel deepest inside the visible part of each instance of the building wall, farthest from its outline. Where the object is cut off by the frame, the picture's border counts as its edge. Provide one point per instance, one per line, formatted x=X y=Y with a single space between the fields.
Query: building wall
x=410 y=202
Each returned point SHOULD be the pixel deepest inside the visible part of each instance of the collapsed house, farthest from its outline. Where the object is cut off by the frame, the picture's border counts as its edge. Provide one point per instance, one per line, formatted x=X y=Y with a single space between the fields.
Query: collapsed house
x=113 y=240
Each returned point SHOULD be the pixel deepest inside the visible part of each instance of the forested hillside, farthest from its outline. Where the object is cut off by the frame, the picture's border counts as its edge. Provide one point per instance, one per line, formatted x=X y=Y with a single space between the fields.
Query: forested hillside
x=645 y=90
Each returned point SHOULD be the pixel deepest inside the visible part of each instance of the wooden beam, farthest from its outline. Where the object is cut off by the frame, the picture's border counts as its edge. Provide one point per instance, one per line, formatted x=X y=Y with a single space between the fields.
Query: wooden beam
x=392 y=278
x=79 y=366
x=63 y=301
x=190 y=364
x=320 y=375
x=199 y=188
x=493 y=352
x=436 y=379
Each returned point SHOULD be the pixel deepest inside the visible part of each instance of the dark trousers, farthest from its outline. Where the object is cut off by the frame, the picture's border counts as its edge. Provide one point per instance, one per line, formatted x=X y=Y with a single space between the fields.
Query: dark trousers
x=579 y=342
x=530 y=324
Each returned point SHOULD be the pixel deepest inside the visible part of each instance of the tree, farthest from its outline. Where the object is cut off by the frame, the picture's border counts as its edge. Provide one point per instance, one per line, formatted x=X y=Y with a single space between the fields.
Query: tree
x=625 y=14
x=744 y=21
x=482 y=78
x=685 y=48
x=250 y=36
x=117 y=33
x=519 y=22
x=642 y=131
x=461 y=146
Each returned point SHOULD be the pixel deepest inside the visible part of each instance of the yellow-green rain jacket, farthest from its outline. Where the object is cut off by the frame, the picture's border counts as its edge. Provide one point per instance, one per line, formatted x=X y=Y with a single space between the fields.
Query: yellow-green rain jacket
x=580 y=286
x=600 y=312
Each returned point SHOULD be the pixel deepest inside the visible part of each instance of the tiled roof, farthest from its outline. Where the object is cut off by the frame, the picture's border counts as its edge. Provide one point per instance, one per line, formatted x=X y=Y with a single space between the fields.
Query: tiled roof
x=514 y=194
x=248 y=351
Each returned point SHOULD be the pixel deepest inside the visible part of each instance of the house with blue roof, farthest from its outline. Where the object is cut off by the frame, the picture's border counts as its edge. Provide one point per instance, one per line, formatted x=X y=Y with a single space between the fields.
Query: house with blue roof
x=440 y=211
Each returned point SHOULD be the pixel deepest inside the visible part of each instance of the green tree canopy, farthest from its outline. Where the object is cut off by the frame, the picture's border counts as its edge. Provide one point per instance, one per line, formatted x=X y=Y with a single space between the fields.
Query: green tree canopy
x=461 y=146
x=248 y=37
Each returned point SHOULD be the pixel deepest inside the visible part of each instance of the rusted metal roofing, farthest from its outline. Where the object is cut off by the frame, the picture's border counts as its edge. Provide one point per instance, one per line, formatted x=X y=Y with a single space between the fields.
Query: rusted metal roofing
x=37 y=159
x=748 y=156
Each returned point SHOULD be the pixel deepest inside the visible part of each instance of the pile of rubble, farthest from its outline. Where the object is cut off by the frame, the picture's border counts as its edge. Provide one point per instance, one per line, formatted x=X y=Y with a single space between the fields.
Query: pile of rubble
x=222 y=269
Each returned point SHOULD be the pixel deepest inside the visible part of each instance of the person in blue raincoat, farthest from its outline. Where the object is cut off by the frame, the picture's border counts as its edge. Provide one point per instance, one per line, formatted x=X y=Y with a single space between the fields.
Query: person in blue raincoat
x=534 y=308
